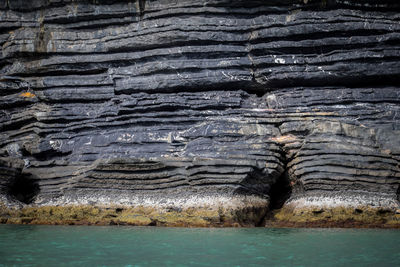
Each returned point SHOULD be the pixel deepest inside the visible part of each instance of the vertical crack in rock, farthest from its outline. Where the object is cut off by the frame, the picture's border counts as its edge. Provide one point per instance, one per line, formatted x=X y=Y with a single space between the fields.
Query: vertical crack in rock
x=43 y=35
x=142 y=7
x=280 y=192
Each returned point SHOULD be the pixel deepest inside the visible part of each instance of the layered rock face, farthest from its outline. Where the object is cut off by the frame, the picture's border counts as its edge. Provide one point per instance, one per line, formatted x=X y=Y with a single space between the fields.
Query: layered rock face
x=225 y=106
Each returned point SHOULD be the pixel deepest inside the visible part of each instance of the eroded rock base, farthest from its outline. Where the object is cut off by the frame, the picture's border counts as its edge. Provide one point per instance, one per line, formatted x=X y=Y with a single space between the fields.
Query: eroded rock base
x=340 y=217
x=221 y=212
x=337 y=210
x=359 y=211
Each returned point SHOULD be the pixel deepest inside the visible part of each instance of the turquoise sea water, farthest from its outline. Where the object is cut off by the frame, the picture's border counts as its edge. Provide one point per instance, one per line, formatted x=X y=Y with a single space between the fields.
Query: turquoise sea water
x=29 y=245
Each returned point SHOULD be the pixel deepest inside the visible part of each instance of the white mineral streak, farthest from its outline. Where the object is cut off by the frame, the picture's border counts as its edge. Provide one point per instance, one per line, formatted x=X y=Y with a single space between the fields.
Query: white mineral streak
x=126 y=199
x=345 y=200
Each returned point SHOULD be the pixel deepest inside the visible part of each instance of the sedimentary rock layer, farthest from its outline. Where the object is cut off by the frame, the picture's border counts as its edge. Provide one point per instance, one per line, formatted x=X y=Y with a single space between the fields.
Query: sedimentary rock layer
x=180 y=104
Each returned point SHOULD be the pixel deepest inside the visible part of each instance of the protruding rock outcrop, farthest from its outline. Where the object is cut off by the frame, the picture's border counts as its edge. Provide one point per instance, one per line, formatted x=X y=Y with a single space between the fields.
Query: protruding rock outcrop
x=209 y=105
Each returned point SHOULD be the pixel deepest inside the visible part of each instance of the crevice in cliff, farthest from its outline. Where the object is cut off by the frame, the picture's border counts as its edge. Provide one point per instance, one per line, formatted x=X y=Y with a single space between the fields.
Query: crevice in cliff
x=24 y=188
x=142 y=7
x=280 y=192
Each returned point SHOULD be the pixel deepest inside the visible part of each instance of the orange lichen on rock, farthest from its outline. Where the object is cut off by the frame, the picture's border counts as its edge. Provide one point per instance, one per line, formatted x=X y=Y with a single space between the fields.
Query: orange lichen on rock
x=27 y=94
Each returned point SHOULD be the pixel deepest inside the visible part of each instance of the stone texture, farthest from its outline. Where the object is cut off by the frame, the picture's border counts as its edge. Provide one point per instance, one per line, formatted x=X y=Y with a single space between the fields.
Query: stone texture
x=180 y=104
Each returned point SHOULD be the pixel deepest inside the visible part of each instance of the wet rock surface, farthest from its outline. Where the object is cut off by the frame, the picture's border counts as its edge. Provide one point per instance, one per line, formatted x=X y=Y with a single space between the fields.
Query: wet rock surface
x=200 y=104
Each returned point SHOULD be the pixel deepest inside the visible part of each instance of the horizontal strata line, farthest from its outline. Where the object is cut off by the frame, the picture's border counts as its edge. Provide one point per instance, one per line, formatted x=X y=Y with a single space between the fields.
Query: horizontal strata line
x=316 y=151
x=348 y=188
x=133 y=190
x=134 y=169
x=317 y=173
x=50 y=69
x=145 y=50
x=366 y=165
x=335 y=73
x=254 y=7
x=90 y=17
x=243 y=14
x=203 y=43
x=232 y=152
x=356 y=190
x=217 y=178
x=244 y=66
x=345 y=187
x=358 y=27
x=336 y=163
x=62 y=73
x=184 y=69
x=78 y=99
x=149 y=177
x=394 y=58
x=322 y=104
x=61 y=87
x=126 y=18
x=320 y=34
x=332 y=181
x=210 y=10
x=196 y=69
x=52 y=184
x=176 y=169
x=362 y=169
x=43 y=177
x=345 y=169
x=134 y=182
x=222 y=171
x=55 y=186
x=170 y=44
x=175 y=12
x=155 y=178
x=202 y=28
x=332 y=174
x=123 y=187
x=121 y=58
x=146 y=55
x=141 y=48
x=313 y=49
x=322 y=151
x=333 y=156
x=136 y=179
x=128 y=181
x=277 y=51
x=97 y=24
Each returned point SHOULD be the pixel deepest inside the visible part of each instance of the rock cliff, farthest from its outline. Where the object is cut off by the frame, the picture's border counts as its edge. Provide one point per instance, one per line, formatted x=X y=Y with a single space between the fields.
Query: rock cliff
x=200 y=112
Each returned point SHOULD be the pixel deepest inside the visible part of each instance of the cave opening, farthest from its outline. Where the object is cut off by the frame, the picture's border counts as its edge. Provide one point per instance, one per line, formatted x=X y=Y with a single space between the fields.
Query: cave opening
x=280 y=191
x=23 y=188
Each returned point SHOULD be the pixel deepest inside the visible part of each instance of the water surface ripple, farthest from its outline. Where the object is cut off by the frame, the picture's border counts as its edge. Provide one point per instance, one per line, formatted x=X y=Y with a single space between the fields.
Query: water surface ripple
x=30 y=245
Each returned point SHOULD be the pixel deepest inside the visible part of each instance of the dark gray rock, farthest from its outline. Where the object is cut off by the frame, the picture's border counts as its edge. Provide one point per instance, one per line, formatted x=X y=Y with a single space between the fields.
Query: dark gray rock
x=175 y=99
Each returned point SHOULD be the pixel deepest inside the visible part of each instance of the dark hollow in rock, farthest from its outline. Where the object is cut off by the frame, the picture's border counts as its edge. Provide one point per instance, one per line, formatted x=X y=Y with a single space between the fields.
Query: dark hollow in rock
x=23 y=188
x=280 y=192
x=358 y=211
